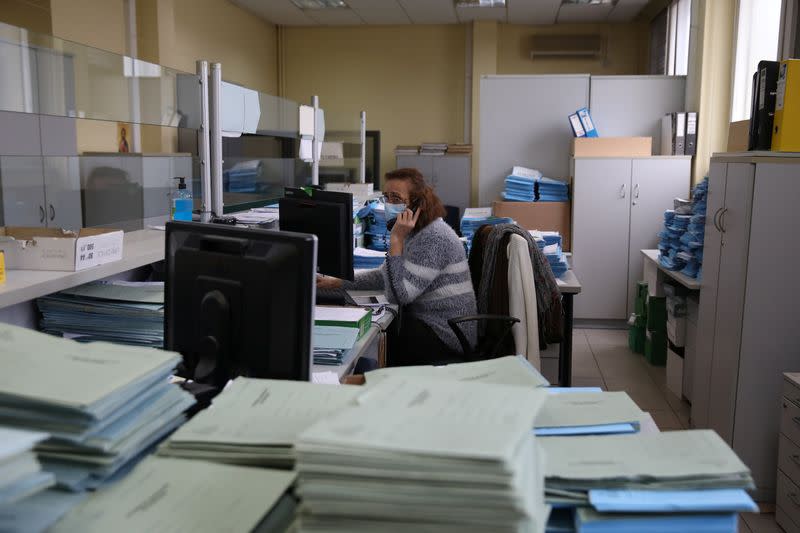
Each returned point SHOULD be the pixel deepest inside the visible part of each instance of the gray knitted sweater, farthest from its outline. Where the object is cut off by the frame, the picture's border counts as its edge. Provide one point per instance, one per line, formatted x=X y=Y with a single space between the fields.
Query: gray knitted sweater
x=431 y=280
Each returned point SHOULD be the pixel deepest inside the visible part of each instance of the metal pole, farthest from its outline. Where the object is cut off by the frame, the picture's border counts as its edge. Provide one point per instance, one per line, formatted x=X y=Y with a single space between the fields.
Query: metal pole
x=203 y=145
x=362 y=166
x=315 y=148
x=215 y=92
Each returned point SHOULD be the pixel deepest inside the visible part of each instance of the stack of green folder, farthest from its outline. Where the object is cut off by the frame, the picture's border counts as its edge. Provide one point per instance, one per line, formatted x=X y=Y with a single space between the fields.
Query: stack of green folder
x=655 y=349
x=637 y=330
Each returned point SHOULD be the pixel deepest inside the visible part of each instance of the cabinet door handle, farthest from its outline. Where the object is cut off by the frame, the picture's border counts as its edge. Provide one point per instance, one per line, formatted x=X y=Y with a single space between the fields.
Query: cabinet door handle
x=722 y=220
x=41 y=214
x=52 y=212
x=622 y=191
x=636 y=191
x=716 y=224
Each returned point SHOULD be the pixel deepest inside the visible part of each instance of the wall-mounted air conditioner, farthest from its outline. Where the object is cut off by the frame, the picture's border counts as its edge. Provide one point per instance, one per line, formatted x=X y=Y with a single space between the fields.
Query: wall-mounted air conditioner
x=579 y=46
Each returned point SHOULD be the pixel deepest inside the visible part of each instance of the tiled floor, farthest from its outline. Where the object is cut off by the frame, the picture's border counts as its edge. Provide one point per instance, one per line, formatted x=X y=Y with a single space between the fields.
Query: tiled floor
x=601 y=358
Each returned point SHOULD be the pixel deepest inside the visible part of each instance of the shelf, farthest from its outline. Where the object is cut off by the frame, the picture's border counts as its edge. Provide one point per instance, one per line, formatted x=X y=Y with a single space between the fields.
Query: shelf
x=140 y=248
x=690 y=283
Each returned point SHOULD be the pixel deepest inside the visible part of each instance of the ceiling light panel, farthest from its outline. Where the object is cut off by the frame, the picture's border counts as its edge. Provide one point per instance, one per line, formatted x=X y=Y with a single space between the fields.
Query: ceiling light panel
x=480 y=3
x=319 y=4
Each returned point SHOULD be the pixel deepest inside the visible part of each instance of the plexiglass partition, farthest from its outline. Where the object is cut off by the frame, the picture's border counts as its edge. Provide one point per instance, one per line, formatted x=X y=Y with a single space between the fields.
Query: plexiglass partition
x=264 y=158
x=342 y=153
x=90 y=138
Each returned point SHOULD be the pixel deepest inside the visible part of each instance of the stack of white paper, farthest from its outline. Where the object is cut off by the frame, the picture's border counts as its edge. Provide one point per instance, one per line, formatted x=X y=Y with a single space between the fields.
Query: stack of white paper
x=257 y=421
x=103 y=404
x=183 y=496
x=510 y=370
x=21 y=474
x=425 y=455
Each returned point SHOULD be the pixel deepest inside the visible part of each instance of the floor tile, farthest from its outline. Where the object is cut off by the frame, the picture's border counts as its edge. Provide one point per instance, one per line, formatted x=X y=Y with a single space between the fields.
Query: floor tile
x=658 y=374
x=646 y=394
x=607 y=337
x=584 y=364
x=666 y=420
x=579 y=338
x=762 y=523
x=681 y=408
x=588 y=382
x=620 y=363
x=743 y=527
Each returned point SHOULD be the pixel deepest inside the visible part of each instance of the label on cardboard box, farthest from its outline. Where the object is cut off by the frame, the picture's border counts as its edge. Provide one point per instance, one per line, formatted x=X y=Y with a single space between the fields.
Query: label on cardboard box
x=56 y=249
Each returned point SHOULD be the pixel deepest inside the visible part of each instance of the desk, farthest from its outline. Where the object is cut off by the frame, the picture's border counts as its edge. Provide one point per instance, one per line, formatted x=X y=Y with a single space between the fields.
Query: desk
x=139 y=248
x=366 y=346
x=569 y=286
x=692 y=284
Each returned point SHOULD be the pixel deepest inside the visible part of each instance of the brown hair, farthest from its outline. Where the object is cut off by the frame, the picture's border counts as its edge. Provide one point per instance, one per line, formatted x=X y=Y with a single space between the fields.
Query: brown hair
x=422 y=195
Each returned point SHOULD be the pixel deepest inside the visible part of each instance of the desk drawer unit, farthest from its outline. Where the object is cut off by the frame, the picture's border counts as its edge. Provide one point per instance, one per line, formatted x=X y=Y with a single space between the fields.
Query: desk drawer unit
x=788 y=484
x=790 y=420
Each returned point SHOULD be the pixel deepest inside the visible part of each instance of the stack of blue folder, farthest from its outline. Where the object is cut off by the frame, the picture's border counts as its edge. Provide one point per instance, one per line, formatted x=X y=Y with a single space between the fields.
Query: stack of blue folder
x=376 y=234
x=242 y=177
x=520 y=189
x=113 y=311
x=550 y=190
x=534 y=188
x=681 y=240
x=474 y=219
x=328 y=356
x=364 y=258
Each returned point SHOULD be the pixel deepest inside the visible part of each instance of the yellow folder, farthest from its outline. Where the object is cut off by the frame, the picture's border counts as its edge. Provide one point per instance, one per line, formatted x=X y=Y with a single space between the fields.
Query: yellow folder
x=786 y=128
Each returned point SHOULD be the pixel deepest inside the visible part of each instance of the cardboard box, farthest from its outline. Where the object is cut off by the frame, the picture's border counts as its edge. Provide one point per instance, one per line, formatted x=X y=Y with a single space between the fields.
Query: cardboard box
x=739 y=136
x=59 y=249
x=676 y=330
x=543 y=216
x=674 y=372
x=612 y=147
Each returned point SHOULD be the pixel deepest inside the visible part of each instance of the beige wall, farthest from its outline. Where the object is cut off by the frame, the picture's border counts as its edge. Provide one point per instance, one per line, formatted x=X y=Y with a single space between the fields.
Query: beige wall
x=34 y=16
x=222 y=32
x=626 y=49
x=97 y=23
x=409 y=79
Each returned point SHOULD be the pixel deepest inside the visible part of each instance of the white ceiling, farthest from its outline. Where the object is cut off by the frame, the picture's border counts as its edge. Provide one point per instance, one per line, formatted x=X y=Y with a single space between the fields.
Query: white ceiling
x=285 y=13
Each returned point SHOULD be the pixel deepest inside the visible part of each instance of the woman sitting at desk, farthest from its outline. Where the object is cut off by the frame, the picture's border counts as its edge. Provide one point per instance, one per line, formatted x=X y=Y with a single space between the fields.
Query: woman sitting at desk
x=426 y=272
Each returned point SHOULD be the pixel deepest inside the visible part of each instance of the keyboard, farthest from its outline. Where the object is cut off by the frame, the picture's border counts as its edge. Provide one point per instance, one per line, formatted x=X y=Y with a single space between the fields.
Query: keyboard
x=338 y=297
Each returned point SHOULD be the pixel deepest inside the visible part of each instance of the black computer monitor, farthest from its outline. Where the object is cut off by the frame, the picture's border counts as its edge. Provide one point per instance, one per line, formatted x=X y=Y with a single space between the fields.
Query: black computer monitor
x=329 y=216
x=239 y=301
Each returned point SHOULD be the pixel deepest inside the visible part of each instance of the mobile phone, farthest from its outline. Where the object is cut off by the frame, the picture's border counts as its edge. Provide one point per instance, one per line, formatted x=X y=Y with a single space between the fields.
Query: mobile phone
x=391 y=223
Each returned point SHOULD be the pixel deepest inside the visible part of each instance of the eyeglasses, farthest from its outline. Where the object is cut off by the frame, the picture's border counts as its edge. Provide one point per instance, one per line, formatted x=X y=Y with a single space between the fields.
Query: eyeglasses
x=392 y=198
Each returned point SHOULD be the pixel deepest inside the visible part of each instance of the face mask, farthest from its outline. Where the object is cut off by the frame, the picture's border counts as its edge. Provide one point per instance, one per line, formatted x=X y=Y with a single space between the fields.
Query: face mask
x=392 y=210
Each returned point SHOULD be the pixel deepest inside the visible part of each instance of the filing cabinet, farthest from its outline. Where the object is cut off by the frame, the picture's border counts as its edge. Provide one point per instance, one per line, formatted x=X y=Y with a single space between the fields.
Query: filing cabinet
x=787 y=513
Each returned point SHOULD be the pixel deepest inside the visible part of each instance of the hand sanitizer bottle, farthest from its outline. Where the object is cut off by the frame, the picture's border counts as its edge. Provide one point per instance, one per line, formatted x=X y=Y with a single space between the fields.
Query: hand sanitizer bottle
x=182 y=202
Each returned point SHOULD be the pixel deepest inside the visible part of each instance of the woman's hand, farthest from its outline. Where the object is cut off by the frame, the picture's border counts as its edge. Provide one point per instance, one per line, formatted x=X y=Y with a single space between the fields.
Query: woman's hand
x=328 y=282
x=405 y=224
x=406 y=221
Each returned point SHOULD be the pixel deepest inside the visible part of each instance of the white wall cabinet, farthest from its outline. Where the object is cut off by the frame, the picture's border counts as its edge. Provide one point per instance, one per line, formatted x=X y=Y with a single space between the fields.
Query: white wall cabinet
x=617 y=210
x=748 y=333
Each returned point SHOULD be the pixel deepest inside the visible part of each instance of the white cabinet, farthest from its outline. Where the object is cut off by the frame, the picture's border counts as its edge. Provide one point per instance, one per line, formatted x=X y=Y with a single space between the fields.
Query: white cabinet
x=748 y=332
x=448 y=175
x=600 y=226
x=618 y=209
x=22 y=181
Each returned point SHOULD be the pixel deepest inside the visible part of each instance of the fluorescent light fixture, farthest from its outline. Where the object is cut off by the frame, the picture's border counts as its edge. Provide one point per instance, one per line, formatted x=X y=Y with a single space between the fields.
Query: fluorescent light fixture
x=319 y=4
x=481 y=3
x=588 y=2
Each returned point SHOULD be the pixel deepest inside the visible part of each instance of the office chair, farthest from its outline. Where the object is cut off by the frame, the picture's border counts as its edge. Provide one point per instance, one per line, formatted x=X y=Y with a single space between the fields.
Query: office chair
x=495 y=327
